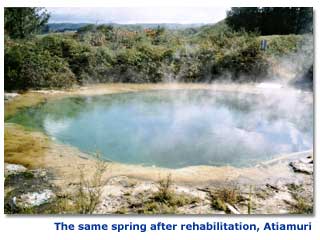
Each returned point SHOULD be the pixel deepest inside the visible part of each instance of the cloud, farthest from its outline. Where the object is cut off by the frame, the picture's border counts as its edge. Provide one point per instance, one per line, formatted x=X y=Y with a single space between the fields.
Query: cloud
x=126 y=15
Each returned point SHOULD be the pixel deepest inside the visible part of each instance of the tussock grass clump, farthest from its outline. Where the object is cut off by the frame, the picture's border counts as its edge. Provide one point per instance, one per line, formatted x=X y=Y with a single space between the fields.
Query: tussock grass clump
x=219 y=204
x=166 y=200
x=164 y=193
x=229 y=195
x=302 y=206
x=220 y=197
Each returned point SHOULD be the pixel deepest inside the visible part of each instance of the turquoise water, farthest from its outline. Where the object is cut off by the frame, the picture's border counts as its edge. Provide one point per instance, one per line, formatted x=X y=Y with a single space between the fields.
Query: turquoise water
x=177 y=128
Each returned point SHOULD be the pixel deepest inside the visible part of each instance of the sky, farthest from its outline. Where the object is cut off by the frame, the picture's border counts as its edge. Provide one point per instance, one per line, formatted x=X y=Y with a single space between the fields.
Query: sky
x=125 y=15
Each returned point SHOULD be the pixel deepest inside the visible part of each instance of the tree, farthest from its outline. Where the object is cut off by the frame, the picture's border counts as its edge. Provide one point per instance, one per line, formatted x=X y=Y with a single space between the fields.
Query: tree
x=87 y=28
x=271 y=20
x=21 y=22
x=28 y=66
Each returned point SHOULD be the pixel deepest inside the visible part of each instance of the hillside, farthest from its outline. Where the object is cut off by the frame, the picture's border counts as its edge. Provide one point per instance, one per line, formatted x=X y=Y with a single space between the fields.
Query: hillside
x=62 y=27
x=151 y=53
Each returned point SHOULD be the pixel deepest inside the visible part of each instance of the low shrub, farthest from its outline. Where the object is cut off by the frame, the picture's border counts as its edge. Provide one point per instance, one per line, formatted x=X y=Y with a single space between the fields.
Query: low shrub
x=105 y=54
x=28 y=66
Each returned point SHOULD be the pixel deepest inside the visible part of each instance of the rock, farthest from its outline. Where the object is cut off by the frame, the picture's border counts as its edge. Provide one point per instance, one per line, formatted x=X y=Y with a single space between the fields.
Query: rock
x=10 y=169
x=306 y=160
x=9 y=96
x=118 y=180
x=123 y=181
x=32 y=199
x=232 y=209
x=191 y=192
x=80 y=156
x=302 y=167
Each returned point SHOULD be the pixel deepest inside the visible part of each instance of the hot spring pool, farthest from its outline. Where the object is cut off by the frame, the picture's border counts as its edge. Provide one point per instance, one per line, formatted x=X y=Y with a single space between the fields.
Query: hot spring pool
x=178 y=128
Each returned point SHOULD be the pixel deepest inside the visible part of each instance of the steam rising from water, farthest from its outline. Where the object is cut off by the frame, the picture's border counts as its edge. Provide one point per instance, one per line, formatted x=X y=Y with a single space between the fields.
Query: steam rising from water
x=293 y=66
x=177 y=128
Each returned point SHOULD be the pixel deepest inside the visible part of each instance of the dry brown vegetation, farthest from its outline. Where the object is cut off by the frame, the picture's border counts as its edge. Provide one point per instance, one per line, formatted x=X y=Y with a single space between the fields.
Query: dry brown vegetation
x=165 y=200
x=21 y=147
x=21 y=101
x=220 y=197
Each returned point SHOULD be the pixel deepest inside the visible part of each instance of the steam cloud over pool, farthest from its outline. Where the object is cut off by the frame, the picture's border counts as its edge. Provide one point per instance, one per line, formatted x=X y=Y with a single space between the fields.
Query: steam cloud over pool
x=178 y=128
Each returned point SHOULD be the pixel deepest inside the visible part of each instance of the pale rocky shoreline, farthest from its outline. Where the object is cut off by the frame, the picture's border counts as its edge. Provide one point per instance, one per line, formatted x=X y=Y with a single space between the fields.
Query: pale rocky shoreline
x=127 y=195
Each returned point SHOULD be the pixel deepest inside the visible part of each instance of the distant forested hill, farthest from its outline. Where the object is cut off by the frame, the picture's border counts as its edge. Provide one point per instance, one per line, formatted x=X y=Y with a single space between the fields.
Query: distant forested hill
x=62 y=27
